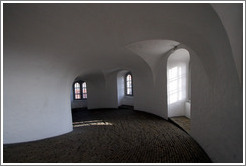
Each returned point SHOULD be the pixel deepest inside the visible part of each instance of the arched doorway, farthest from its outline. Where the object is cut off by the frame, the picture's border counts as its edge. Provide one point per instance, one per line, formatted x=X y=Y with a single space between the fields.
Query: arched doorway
x=178 y=87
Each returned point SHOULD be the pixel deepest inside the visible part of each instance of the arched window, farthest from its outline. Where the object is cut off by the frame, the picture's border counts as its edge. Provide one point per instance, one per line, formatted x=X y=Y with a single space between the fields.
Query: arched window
x=128 y=84
x=178 y=83
x=77 y=91
x=84 y=90
x=80 y=90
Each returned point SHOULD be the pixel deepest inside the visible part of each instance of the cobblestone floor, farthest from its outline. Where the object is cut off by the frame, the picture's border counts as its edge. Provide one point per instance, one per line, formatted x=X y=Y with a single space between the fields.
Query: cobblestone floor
x=183 y=122
x=111 y=136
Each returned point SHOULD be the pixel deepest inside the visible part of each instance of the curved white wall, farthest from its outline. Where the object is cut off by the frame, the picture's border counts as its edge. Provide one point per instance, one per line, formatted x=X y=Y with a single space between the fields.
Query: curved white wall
x=231 y=16
x=36 y=101
x=54 y=43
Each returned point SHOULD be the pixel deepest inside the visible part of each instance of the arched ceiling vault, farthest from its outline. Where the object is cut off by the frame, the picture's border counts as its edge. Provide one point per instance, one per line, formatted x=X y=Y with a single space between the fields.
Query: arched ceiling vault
x=96 y=36
x=152 y=51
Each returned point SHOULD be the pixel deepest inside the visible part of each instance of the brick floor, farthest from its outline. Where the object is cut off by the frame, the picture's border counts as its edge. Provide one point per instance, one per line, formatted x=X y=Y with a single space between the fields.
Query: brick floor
x=111 y=136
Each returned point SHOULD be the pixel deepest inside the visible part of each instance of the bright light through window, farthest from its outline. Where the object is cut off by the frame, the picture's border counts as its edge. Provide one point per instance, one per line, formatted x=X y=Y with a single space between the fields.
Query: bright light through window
x=92 y=123
x=129 y=84
x=80 y=90
x=77 y=93
x=84 y=90
x=176 y=84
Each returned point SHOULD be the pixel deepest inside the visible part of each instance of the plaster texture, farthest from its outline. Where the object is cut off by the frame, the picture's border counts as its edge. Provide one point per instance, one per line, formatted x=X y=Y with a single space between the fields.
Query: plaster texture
x=47 y=46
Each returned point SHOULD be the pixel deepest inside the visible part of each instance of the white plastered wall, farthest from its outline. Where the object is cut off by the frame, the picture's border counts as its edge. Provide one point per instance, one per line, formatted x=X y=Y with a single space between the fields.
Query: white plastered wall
x=32 y=92
x=45 y=52
x=232 y=18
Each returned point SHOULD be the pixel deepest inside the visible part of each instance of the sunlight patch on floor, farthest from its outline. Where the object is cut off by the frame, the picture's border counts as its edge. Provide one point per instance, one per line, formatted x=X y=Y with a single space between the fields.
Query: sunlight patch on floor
x=92 y=123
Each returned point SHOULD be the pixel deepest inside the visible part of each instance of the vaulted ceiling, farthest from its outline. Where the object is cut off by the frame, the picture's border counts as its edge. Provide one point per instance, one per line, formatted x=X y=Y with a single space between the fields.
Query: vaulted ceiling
x=96 y=37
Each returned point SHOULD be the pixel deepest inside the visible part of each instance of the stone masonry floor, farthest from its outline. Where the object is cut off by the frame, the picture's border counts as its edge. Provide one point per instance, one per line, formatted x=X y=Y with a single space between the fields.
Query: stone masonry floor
x=183 y=122
x=111 y=136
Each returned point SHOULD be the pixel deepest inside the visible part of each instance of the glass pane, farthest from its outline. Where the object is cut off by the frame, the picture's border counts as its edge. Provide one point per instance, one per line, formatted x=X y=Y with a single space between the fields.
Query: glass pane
x=173 y=86
x=84 y=85
x=127 y=84
x=173 y=73
x=130 y=91
x=176 y=84
x=173 y=98
x=77 y=91
x=76 y=85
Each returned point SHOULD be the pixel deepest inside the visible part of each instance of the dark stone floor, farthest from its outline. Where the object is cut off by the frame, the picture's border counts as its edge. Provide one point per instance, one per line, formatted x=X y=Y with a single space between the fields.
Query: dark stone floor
x=183 y=122
x=111 y=136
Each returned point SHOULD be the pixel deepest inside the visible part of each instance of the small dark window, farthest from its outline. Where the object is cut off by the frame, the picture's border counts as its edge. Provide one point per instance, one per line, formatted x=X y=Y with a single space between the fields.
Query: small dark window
x=80 y=90
x=128 y=84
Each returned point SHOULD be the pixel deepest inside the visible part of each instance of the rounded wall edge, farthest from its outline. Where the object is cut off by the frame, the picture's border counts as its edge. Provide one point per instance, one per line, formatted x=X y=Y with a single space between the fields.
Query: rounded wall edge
x=37 y=139
x=40 y=108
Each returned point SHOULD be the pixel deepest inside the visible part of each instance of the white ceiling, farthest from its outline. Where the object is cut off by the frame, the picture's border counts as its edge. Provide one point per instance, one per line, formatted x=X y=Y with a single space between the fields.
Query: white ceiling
x=98 y=37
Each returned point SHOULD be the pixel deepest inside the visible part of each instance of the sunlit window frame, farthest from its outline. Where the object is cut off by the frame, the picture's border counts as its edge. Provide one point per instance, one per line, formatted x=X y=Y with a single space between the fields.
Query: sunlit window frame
x=81 y=90
x=178 y=91
x=128 y=73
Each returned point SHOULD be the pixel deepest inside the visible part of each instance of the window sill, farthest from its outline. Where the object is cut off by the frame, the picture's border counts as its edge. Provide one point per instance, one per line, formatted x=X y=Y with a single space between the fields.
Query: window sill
x=129 y=96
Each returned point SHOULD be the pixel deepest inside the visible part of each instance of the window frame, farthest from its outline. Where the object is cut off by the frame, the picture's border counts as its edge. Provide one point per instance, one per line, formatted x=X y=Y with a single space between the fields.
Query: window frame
x=128 y=73
x=176 y=83
x=81 y=90
x=82 y=93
